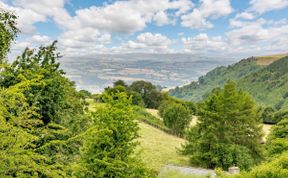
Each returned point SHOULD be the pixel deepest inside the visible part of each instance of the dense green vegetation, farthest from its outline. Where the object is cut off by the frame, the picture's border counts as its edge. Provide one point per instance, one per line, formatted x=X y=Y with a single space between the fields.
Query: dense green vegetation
x=49 y=129
x=267 y=84
x=175 y=116
x=46 y=129
x=276 y=162
x=227 y=118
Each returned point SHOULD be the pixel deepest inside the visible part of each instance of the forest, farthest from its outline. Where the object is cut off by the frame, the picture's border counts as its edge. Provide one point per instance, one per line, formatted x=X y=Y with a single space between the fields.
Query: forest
x=49 y=129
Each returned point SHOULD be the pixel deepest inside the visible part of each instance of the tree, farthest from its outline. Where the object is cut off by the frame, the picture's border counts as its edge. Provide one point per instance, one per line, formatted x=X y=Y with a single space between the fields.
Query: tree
x=228 y=132
x=276 y=168
x=8 y=32
x=175 y=116
x=109 y=145
x=149 y=93
x=277 y=141
x=119 y=82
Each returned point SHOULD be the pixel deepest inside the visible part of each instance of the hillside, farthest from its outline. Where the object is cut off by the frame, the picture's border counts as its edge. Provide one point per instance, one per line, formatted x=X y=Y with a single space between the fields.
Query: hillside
x=266 y=83
x=158 y=148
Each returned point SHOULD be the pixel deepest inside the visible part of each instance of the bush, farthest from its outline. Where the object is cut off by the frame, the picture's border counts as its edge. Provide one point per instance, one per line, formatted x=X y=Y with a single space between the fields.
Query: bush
x=175 y=116
x=278 y=139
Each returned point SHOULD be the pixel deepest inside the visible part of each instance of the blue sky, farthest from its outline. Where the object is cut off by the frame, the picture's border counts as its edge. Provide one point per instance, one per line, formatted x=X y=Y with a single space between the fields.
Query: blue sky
x=206 y=27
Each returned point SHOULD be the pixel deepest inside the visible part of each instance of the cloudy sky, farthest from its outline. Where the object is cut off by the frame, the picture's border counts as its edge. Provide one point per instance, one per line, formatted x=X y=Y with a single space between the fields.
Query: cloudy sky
x=206 y=27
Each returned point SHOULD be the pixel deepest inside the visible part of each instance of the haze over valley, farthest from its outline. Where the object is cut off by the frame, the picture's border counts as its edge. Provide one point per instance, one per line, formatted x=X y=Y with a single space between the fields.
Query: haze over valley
x=165 y=70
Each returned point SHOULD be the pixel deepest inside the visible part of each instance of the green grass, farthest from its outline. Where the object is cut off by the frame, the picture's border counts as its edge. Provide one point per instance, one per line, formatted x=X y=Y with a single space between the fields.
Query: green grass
x=158 y=148
x=93 y=105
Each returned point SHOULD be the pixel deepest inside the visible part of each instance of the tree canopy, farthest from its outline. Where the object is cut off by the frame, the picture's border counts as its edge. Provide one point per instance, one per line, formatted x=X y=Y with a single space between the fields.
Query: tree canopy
x=228 y=130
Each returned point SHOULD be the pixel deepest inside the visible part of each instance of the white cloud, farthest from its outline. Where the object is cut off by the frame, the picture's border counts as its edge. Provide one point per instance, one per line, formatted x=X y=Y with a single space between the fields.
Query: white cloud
x=259 y=36
x=201 y=43
x=262 y=6
x=161 y=18
x=147 y=42
x=200 y=17
x=127 y=16
x=25 y=25
x=31 y=42
x=84 y=41
x=42 y=39
x=245 y=15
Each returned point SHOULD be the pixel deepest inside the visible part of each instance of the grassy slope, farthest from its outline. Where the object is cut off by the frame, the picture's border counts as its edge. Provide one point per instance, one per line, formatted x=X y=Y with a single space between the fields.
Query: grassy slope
x=217 y=77
x=266 y=60
x=267 y=84
x=158 y=148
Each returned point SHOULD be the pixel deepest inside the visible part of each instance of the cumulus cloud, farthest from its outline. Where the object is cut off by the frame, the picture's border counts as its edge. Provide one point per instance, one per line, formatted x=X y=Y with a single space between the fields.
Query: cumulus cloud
x=245 y=15
x=200 y=17
x=147 y=42
x=83 y=42
x=262 y=6
x=161 y=18
x=127 y=16
x=201 y=43
x=259 y=36
x=31 y=42
x=245 y=38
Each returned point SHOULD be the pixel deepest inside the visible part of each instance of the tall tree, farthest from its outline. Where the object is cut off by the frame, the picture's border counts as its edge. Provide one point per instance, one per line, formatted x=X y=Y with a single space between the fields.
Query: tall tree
x=228 y=132
x=109 y=145
x=149 y=93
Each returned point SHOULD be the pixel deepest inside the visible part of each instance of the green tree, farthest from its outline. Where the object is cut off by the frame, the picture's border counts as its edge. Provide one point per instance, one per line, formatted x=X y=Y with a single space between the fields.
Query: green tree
x=8 y=33
x=119 y=82
x=228 y=131
x=277 y=141
x=275 y=168
x=175 y=116
x=109 y=145
x=149 y=93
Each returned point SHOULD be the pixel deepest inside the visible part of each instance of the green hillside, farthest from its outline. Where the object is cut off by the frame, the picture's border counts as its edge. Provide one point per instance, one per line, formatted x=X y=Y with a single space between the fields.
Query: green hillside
x=266 y=83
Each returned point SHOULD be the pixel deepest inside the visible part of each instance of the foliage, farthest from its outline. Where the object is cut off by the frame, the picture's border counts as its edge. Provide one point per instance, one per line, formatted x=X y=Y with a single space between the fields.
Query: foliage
x=277 y=141
x=275 y=168
x=149 y=93
x=217 y=77
x=267 y=84
x=175 y=116
x=8 y=32
x=109 y=145
x=228 y=132
x=148 y=118
x=85 y=94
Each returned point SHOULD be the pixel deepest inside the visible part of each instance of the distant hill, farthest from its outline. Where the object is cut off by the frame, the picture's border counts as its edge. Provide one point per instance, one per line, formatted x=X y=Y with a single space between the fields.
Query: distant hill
x=265 y=78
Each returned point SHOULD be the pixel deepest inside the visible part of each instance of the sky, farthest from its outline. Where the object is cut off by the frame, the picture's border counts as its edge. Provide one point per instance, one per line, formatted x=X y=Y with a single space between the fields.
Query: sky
x=85 y=28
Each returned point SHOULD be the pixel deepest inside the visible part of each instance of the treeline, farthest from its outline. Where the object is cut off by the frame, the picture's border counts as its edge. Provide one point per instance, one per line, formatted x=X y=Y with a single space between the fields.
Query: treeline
x=176 y=113
x=46 y=129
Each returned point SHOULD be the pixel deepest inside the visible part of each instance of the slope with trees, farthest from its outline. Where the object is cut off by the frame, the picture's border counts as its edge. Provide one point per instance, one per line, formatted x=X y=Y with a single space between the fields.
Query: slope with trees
x=267 y=84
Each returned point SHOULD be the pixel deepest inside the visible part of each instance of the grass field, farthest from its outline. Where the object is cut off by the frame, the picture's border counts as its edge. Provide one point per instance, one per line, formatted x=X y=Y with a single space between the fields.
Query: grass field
x=266 y=60
x=158 y=148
